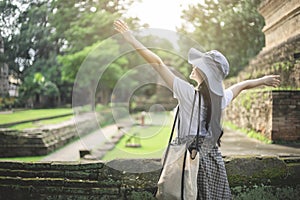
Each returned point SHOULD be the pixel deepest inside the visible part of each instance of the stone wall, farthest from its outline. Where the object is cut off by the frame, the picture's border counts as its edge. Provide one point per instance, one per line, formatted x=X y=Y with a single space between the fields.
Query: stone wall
x=57 y=180
x=275 y=114
x=283 y=60
x=75 y=180
x=286 y=115
x=42 y=141
x=252 y=110
x=260 y=110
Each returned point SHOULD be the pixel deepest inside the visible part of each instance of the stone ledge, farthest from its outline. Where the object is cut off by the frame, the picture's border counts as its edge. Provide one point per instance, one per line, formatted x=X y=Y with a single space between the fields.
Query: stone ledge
x=42 y=141
x=88 y=180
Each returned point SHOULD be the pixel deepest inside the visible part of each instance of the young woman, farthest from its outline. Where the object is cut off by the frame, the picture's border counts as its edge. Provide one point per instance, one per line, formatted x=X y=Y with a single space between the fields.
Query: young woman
x=209 y=70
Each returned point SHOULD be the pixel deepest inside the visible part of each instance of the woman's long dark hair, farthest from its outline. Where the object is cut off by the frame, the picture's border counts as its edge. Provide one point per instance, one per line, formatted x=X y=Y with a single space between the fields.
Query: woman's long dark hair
x=203 y=88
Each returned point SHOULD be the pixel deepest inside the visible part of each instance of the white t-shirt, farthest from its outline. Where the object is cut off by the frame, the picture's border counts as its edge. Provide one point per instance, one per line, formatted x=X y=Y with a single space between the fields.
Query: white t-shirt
x=184 y=93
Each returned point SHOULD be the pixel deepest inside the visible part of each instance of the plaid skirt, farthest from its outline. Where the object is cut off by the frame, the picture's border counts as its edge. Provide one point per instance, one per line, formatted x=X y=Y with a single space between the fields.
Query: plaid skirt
x=212 y=178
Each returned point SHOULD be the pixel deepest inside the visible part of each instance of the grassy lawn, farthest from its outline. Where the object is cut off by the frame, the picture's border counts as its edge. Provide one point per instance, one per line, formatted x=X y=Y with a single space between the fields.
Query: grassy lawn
x=40 y=123
x=24 y=159
x=32 y=114
x=153 y=140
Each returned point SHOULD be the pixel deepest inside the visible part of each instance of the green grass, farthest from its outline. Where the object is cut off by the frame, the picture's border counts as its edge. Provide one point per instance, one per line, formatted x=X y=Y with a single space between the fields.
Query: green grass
x=24 y=159
x=32 y=114
x=40 y=123
x=249 y=133
x=153 y=140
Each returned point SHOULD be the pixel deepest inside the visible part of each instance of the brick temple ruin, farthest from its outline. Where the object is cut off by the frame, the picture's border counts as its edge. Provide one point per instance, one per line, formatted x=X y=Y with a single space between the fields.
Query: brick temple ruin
x=275 y=114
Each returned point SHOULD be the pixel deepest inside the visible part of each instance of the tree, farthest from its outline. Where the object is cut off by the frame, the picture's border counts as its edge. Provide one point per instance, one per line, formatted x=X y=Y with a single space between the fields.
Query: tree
x=86 y=24
x=36 y=91
x=231 y=26
x=36 y=32
x=79 y=24
x=84 y=68
x=29 y=47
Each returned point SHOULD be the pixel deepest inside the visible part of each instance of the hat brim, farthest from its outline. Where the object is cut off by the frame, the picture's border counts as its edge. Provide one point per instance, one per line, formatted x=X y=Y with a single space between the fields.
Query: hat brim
x=207 y=66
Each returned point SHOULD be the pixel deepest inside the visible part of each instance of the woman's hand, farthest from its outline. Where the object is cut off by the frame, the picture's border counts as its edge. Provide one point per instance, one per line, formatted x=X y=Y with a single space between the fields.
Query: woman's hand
x=271 y=80
x=123 y=28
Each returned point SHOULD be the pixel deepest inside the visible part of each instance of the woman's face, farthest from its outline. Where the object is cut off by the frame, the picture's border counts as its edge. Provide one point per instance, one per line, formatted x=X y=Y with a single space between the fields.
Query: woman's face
x=196 y=75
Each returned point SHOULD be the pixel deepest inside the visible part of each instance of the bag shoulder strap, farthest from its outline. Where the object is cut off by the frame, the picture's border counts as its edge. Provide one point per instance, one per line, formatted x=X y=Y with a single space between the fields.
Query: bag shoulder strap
x=173 y=128
x=192 y=113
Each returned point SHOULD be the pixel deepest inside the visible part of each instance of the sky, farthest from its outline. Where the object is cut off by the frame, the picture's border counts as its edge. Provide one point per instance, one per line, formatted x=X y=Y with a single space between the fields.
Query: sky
x=164 y=14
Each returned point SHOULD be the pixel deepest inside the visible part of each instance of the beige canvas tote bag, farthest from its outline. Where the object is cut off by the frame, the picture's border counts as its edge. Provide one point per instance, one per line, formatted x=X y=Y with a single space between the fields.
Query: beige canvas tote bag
x=178 y=179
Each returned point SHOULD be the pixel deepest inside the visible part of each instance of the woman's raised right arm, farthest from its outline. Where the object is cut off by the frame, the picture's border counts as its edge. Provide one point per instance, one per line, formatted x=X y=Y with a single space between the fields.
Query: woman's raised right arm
x=148 y=55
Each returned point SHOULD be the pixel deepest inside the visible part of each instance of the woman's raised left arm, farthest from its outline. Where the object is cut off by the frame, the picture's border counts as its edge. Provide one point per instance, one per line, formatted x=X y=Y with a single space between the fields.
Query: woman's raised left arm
x=268 y=80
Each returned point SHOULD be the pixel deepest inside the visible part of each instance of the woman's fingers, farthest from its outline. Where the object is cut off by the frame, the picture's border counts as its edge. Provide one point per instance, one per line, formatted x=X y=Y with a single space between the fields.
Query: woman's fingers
x=275 y=80
x=272 y=80
x=121 y=26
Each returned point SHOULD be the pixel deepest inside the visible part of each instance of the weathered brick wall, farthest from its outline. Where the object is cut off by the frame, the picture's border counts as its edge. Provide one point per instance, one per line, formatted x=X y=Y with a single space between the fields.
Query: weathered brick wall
x=75 y=180
x=286 y=115
x=42 y=141
x=255 y=110
x=275 y=114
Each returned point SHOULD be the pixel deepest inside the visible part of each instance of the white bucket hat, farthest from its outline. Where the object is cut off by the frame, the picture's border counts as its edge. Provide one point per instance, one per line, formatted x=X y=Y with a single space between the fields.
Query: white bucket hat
x=213 y=65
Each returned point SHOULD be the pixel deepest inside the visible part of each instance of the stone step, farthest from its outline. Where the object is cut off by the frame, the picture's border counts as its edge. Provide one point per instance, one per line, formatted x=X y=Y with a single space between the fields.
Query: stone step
x=75 y=175
x=59 y=193
x=64 y=166
x=57 y=182
x=43 y=140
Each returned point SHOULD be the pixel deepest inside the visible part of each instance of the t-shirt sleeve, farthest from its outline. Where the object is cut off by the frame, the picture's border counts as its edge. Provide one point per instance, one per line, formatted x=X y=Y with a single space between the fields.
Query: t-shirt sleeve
x=182 y=90
x=227 y=98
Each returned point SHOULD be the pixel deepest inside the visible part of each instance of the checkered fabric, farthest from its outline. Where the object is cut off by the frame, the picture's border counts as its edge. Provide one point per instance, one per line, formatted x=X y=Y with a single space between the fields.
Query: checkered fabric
x=212 y=178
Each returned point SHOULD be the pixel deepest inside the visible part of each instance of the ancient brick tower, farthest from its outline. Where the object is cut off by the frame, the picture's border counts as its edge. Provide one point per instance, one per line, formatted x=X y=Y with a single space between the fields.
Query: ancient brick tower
x=275 y=114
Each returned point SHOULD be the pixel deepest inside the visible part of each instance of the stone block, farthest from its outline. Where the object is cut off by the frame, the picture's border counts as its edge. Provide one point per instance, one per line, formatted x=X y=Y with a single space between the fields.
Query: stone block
x=253 y=170
x=98 y=179
x=35 y=142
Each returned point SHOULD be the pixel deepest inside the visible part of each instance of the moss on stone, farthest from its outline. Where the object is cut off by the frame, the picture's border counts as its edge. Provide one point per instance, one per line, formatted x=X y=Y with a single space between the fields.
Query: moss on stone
x=141 y=195
x=250 y=170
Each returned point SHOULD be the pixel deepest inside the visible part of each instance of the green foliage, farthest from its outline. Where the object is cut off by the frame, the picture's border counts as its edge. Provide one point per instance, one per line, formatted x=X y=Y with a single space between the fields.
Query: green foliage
x=266 y=192
x=141 y=195
x=7 y=102
x=37 y=86
x=246 y=100
x=233 y=27
x=84 y=23
x=258 y=136
x=36 y=32
x=282 y=66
